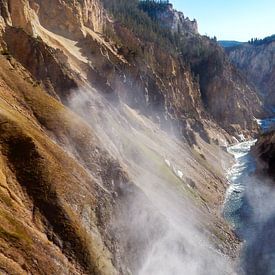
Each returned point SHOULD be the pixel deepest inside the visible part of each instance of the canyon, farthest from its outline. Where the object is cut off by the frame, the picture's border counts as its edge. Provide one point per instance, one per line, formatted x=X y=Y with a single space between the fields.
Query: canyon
x=256 y=60
x=115 y=119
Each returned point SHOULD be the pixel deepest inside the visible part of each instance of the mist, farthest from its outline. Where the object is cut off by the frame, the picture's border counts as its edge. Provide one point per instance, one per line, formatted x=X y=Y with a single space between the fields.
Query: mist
x=162 y=224
x=258 y=255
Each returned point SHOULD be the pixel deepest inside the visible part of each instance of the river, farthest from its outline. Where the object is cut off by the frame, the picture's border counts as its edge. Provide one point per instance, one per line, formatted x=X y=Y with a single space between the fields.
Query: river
x=250 y=209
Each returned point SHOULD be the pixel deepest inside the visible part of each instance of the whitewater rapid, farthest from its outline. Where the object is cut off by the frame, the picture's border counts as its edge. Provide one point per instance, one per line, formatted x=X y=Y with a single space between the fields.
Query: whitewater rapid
x=237 y=177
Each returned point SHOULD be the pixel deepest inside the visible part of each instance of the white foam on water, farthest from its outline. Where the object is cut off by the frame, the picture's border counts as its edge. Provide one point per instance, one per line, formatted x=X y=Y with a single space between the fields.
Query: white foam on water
x=237 y=176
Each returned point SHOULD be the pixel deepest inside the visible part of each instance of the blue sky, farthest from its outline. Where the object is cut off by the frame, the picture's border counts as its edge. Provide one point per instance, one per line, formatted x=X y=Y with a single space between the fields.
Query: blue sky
x=231 y=19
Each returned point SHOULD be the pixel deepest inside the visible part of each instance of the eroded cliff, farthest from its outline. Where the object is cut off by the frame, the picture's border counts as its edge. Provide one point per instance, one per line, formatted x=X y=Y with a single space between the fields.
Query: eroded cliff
x=257 y=62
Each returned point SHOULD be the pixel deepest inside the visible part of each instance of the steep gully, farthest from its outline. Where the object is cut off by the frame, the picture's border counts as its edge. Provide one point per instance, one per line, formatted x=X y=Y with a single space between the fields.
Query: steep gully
x=249 y=208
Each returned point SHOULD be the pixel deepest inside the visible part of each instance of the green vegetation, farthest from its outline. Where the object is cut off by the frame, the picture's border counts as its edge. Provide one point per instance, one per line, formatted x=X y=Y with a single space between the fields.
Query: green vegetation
x=152 y=7
x=160 y=2
x=132 y=14
x=140 y=18
x=258 y=42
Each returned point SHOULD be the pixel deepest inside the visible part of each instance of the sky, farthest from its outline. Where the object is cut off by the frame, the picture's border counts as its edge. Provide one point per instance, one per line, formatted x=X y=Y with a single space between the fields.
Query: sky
x=231 y=19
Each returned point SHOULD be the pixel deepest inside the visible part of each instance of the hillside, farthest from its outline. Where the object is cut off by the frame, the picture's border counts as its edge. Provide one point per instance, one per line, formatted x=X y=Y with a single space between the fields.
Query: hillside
x=230 y=43
x=114 y=121
x=201 y=56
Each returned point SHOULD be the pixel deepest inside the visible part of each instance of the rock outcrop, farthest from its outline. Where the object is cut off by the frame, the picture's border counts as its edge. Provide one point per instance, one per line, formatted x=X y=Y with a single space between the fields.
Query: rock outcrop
x=176 y=21
x=71 y=18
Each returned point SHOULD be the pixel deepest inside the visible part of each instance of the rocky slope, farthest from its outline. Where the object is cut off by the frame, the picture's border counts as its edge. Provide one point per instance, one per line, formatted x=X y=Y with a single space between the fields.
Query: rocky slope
x=257 y=62
x=265 y=153
x=205 y=62
x=103 y=136
x=60 y=190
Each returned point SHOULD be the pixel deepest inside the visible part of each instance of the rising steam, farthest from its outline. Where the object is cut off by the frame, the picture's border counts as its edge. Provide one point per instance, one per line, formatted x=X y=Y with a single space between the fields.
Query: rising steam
x=162 y=229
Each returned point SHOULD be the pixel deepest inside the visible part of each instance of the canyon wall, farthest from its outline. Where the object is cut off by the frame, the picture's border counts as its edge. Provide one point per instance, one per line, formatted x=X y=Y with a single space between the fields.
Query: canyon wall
x=257 y=62
x=100 y=129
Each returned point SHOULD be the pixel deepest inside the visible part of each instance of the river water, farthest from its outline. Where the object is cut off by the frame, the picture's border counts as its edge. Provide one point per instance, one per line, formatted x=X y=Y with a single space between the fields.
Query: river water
x=250 y=209
x=234 y=207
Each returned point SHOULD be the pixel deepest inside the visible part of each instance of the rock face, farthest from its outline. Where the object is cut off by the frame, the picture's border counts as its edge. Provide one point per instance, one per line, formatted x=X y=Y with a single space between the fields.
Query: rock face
x=265 y=152
x=219 y=78
x=224 y=91
x=71 y=18
x=100 y=129
x=176 y=21
x=257 y=62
